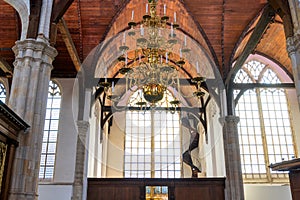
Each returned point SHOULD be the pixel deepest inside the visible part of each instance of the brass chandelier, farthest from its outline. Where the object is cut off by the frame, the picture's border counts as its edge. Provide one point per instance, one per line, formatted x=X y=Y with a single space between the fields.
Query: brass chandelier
x=152 y=66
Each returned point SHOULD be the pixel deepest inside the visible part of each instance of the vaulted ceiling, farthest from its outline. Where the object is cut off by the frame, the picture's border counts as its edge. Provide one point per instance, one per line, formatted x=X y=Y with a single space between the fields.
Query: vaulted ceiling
x=228 y=29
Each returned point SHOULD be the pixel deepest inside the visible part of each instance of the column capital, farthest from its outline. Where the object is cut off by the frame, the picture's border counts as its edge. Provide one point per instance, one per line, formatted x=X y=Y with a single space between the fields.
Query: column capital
x=229 y=119
x=39 y=50
x=293 y=44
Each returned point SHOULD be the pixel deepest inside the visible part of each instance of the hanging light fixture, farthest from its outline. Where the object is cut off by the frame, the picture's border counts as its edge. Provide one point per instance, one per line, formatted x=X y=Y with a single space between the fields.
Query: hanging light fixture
x=152 y=66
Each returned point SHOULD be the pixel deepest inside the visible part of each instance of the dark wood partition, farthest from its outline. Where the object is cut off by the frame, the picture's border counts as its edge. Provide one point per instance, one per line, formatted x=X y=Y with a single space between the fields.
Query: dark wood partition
x=134 y=189
x=10 y=127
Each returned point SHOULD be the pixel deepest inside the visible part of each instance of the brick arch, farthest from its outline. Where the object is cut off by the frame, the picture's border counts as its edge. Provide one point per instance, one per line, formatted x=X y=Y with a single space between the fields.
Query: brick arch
x=23 y=10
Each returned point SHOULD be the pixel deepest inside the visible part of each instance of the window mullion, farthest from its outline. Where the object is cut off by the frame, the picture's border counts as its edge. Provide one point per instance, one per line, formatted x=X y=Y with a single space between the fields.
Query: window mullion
x=263 y=134
x=181 y=148
x=292 y=128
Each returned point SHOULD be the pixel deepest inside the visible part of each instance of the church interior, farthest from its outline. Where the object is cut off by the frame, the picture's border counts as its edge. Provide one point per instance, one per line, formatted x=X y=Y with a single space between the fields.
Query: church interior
x=149 y=99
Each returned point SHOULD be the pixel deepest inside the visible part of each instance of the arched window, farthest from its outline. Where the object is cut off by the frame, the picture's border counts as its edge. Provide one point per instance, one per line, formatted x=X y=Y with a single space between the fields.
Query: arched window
x=265 y=132
x=50 y=132
x=152 y=142
x=2 y=92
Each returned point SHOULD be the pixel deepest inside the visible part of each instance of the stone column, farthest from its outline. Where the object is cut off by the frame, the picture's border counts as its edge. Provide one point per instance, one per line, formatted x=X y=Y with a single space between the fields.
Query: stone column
x=28 y=99
x=293 y=48
x=234 y=180
x=80 y=180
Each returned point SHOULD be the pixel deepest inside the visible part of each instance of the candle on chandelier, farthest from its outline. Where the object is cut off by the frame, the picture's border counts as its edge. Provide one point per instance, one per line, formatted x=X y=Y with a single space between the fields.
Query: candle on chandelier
x=126 y=59
x=172 y=30
x=167 y=61
x=105 y=74
x=132 y=15
x=124 y=37
x=113 y=86
x=184 y=40
x=197 y=68
x=165 y=9
x=174 y=17
x=146 y=8
x=161 y=59
x=142 y=30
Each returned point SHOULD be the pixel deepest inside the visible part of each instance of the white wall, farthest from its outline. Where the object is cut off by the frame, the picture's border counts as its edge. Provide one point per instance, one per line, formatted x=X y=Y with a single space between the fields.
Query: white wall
x=95 y=143
x=57 y=192
x=61 y=186
x=214 y=150
x=115 y=152
x=267 y=192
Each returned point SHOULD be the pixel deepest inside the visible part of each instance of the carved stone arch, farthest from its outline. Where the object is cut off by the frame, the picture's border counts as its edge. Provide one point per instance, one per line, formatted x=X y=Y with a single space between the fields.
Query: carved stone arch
x=22 y=7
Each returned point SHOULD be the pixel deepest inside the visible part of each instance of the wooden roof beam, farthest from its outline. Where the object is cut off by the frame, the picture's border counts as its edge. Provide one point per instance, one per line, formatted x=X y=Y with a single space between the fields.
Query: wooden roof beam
x=282 y=8
x=258 y=32
x=6 y=68
x=59 y=9
x=34 y=18
x=62 y=27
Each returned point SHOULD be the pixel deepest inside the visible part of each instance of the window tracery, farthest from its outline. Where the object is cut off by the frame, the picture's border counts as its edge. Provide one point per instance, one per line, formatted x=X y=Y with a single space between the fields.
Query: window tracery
x=265 y=130
x=50 y=132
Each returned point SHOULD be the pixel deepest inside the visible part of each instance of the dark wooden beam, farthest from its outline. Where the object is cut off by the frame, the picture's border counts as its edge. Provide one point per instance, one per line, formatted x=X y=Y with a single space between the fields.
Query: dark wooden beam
x=258 y=32
x=59 y=9
x=242 y=86
x=282 y=8
x=6 y=68
x=53 y=34
x=66 y=36
x=34 y=18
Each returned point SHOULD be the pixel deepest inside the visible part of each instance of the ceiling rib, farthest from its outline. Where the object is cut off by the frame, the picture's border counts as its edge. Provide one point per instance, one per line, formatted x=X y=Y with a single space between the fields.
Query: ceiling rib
x=34 y=18
x=66 y=36
x=259 y=30
x=59 y=9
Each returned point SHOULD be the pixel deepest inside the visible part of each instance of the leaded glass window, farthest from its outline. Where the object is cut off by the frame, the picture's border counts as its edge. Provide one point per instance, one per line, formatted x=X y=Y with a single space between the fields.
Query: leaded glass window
x=2 y=92
x=152 y=142
x=265 y=132
x=50 y=132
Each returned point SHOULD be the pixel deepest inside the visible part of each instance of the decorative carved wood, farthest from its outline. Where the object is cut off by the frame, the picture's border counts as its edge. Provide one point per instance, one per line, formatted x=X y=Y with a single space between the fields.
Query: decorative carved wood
x=10 y=126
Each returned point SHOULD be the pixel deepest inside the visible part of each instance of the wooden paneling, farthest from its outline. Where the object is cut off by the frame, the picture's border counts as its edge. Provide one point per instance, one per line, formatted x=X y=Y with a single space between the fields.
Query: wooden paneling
x=10 y=126
x=134 y=189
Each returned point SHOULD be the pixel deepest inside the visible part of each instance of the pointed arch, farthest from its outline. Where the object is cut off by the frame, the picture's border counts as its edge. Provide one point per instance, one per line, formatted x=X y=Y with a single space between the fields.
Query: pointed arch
x=265 y=130
x=22 y=7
